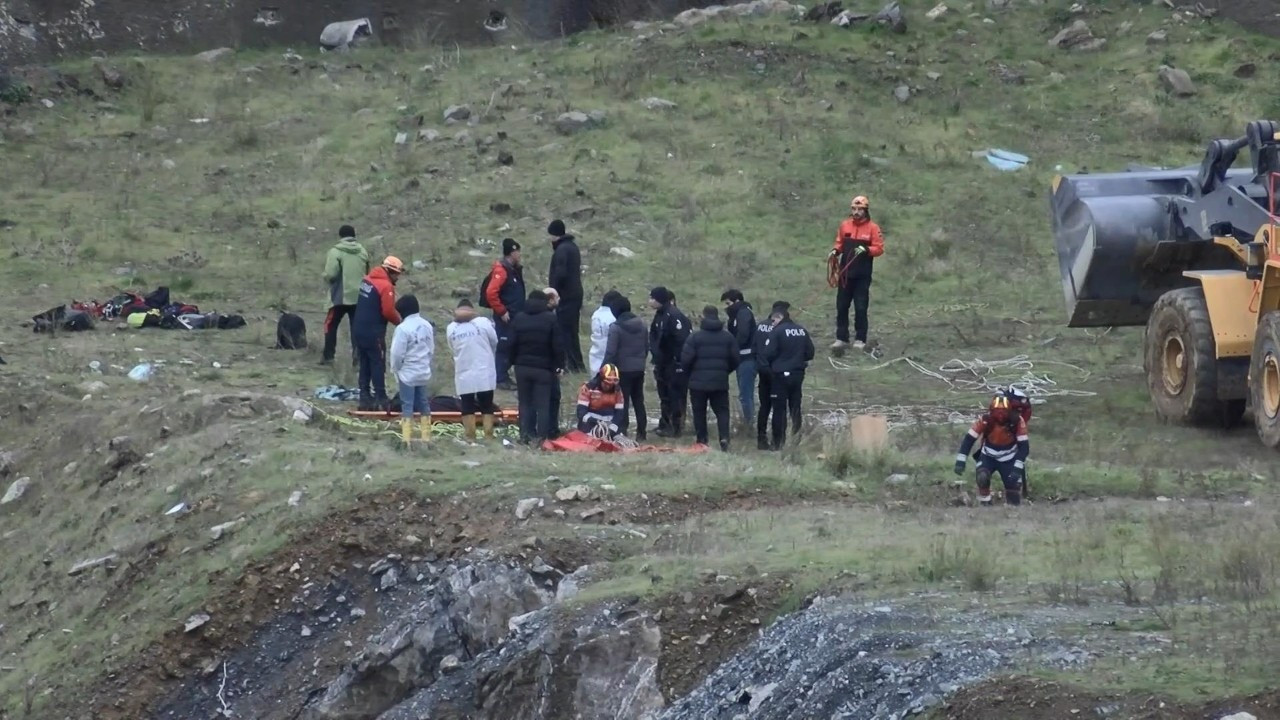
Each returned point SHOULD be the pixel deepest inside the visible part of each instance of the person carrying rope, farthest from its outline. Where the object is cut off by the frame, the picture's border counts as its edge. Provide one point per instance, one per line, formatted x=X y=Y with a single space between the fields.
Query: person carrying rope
x=858 y=243
x=600 y=403
x=1005 y=446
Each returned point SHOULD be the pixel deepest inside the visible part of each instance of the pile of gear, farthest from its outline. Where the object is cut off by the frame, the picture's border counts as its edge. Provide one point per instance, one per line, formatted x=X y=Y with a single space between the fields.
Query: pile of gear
x=155 y=309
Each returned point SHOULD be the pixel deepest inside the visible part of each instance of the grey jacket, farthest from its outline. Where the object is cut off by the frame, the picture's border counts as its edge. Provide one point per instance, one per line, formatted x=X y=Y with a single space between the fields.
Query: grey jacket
x=628 y=345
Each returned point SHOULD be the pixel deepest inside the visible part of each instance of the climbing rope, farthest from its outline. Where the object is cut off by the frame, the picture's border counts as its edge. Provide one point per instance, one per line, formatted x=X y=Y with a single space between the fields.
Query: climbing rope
x=990 y=376
x=600 y=431
x=835 y=416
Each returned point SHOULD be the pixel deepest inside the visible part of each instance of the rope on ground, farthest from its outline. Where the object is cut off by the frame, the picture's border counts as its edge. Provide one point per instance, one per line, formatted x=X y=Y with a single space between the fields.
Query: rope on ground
x=600 y=431
x=990 y=376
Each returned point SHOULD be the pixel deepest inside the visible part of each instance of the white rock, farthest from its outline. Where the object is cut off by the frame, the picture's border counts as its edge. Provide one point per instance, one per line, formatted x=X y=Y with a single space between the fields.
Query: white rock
x=428 y=135
x=295 y=498
x=402 y=138
x=573 y=492
x=525 y=507
x=1239 y=716
x=302 y=415
x=218 y=530
x=16 y=490
x=215 y=55
x=195 y=621
x=623 y=252
x=457 y=113
x=657 y=103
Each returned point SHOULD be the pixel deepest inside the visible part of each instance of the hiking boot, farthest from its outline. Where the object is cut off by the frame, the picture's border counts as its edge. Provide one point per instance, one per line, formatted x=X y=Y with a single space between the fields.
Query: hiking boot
x=762 y=444
x=839 y=345
x=326 y=361
x=366 y=403
x=641 y=436
x=724 y=446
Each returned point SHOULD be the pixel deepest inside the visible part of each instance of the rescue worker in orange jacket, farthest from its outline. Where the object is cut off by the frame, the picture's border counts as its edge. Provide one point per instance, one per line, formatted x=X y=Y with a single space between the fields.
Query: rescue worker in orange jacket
x=1005 y=446
x=858 y=243
x=375 y=307
x=600 y=402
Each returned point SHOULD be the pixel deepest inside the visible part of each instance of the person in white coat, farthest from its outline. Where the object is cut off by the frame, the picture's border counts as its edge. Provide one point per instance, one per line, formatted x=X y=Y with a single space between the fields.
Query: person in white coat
x=413 y=347
x=601 y=319
x=473 y=340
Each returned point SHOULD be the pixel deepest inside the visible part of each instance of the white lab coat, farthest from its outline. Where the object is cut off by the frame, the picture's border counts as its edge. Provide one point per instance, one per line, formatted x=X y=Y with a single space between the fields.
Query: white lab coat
x=601 y=319
x=473 y=343
x=413 y=347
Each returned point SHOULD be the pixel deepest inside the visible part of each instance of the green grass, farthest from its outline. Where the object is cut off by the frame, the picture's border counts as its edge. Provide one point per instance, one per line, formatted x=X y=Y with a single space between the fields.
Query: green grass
x=742 y=184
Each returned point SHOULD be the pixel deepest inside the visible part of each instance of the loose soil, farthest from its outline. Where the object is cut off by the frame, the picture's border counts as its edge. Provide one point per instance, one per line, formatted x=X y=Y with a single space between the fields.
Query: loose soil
x=1029 y=698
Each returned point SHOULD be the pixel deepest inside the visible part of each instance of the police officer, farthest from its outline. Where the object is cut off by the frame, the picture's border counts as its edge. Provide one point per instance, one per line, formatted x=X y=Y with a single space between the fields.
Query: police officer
x=667 y=335
x=788 y=350
x=764 y=378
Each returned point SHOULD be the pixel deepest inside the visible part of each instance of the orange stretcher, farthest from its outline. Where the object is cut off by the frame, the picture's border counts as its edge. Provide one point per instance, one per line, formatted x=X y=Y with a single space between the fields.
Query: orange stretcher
x=502 y=417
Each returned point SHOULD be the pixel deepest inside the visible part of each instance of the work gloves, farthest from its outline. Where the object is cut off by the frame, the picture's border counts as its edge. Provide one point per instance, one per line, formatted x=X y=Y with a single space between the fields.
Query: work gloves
x=960 y=466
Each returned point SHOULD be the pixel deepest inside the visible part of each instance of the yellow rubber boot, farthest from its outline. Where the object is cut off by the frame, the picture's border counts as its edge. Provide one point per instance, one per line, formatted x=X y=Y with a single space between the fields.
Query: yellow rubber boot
x=469 y=428
x=488 y=427
x=425 y=423
x=406 y=430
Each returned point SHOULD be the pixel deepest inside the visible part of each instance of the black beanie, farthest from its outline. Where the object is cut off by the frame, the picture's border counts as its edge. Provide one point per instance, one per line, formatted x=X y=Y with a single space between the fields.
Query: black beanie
x=346 y=231
x=661 y=294
x=465 y=303
x=556 y=228
x=407 y=305
x=509 y=245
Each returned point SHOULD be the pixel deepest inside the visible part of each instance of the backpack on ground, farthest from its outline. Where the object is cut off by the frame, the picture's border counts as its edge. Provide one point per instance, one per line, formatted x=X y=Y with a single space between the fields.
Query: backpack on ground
x=291 y=332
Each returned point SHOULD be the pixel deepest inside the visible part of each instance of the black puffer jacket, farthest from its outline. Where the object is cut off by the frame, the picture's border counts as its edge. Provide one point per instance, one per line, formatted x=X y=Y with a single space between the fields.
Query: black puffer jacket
x=565 y=273
x=628 y=346
x=532 y=340
x=709 y=356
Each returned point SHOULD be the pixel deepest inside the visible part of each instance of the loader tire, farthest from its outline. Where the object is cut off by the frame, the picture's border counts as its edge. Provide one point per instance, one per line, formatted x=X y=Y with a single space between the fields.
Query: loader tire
x=1264 y=379
x=1181 y=363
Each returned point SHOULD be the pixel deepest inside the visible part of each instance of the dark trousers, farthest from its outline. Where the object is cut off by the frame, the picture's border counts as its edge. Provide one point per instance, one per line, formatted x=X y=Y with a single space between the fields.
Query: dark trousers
x=500 y=361
x=331 y=322
x=787 y=395
x=765 y=406
x=1009 y=475
x=719 y=400
x=855 y=290
x=373 y=370
x=632 y=386
x=671 y=398
x=481 y=402
x=534 y=391
x=569 y=319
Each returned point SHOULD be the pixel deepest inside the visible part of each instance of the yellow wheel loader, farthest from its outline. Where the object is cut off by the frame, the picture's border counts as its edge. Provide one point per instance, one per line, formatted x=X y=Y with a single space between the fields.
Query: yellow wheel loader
x=1192 y=254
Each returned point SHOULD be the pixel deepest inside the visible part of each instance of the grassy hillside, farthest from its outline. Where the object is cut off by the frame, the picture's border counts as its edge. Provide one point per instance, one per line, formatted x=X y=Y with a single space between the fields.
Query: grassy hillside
x=227 y=181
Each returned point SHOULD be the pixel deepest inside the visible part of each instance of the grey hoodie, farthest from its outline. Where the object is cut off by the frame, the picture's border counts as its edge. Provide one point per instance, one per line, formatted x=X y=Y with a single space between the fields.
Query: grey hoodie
x=628 y=345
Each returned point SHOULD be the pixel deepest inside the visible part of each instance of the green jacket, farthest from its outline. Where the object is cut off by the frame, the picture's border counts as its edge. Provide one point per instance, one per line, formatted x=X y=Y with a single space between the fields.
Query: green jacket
x=345 y=266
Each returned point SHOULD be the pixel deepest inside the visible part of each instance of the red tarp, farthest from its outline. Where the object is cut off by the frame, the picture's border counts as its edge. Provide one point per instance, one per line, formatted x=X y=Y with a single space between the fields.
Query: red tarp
x=578 y=441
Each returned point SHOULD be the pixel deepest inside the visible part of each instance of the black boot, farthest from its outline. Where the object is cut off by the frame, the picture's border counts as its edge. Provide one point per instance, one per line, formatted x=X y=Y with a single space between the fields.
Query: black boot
x=366 y=403
x=724 y=446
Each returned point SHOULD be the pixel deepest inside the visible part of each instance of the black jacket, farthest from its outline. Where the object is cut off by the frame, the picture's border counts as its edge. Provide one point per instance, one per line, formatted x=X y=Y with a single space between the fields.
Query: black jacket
x=667 y=334
x=709 y=356
x=628 y=345
x=742 y=325
x=565 y=274
x=763 y=328
x=788 y=348
x=532 y=340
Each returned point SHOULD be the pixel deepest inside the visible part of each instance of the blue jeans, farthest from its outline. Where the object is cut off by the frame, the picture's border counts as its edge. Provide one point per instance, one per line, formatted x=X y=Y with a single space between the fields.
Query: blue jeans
x=413 y=400
x=747 y=387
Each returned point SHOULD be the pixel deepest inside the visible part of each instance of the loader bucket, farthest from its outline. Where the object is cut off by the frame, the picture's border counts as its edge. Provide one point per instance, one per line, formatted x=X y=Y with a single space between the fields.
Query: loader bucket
x=1108 y=229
